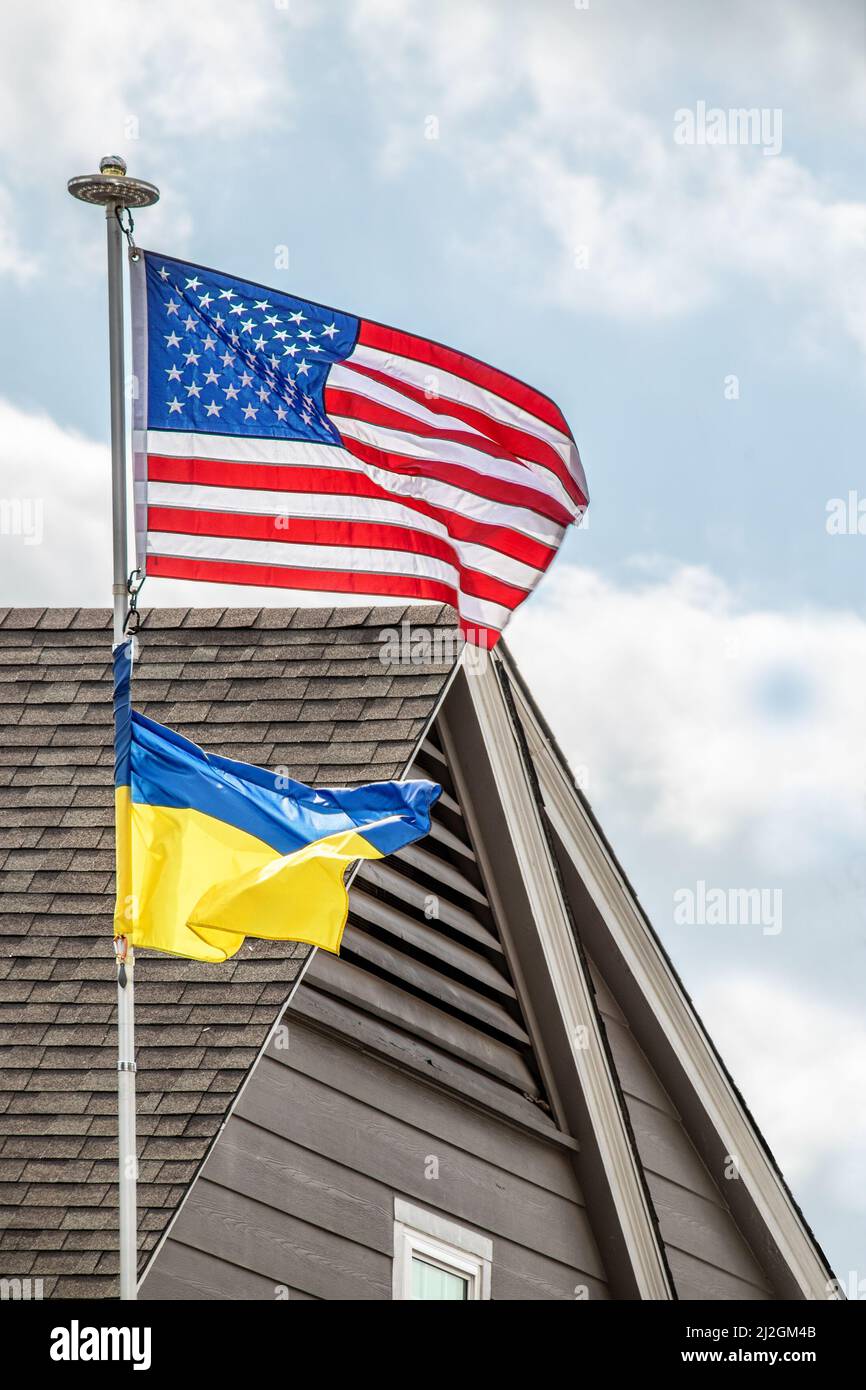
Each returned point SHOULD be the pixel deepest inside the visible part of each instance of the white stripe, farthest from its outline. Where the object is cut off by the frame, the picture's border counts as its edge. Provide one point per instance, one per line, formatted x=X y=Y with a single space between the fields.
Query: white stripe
x=446 y=451
x=345 y=379
x=366 y=389
x=457 y=388
x=439 y=494
x=233 y=448
x=331 y=507
x=358 y=559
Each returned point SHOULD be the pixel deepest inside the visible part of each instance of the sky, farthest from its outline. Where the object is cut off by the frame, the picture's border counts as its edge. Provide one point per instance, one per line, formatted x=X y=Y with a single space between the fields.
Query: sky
x=559 y=188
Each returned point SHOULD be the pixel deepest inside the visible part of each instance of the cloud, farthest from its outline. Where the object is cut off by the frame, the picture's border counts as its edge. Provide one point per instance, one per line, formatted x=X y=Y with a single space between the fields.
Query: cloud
x=55 y=530
x=707 y=720
x=140 y=79
x=793 y=1056
x=548 y=113
x=19 y=264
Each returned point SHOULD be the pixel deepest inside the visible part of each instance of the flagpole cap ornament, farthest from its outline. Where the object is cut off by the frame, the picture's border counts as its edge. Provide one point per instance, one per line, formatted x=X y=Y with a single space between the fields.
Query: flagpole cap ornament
x=112 y=185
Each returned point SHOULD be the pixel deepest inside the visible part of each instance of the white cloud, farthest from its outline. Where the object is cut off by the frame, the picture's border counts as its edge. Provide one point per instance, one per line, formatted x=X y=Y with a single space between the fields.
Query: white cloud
x=548 y=110
x=14 y=260
x=704 y=719
x=137 y=79
x=794 y=1056
x=55 y=536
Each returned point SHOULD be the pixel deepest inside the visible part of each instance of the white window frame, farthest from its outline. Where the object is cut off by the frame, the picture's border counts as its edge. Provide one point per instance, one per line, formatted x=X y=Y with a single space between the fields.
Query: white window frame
x=442 y=1243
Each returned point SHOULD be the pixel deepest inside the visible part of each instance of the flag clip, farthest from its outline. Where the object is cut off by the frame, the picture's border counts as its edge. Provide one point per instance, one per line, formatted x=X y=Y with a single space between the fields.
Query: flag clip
x=120 y=948
x=132 y=621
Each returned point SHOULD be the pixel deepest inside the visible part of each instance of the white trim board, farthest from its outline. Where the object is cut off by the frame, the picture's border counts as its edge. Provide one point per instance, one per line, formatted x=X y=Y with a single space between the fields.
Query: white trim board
x=572 y=989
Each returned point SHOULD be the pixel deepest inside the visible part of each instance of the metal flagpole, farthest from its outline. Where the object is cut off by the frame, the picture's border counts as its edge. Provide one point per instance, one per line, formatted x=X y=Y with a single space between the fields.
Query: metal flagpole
x=112 y=189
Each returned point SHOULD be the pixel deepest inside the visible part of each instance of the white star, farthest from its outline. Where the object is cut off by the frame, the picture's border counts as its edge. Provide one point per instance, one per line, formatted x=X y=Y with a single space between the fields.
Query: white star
x=175 y=406
x=219 y=321
x=193 y=284
x=246 y=379
x=306 y=334
x=271 y=320
x=259 y=343
x=262 y=304
x=274 y=360
x=227 y=294
x=313 y=347
x=172 y=340
x=172 y=307
x=282 y=413
x=205 y=299
x=191 y=359
x=231 y=393
x=173 y=373
x=290 y=349
x=163 y=274
x=329 y=330
x=297 y=318
x=262 y=394
x=248 y=325
x=209 y=343
x=281 y=336
x=212 y=377
x=213 y=408
x=238 y=309
x=250 y=412
x=227 y=359
x=189 y=324
x=193 y=390
x=234 y=337
x=303 y=367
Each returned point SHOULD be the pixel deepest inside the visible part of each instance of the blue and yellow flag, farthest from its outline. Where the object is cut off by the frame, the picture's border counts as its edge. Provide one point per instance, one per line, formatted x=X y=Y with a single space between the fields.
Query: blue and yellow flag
x=210 y=850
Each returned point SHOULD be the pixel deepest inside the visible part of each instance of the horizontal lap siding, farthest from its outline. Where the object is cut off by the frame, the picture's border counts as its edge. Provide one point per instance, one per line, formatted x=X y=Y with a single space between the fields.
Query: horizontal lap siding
x=298 y=1193
x=708 y=1256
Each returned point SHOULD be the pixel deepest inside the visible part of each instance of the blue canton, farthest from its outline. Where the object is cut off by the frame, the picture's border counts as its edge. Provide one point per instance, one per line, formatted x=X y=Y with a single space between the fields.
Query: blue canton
x=229 y=357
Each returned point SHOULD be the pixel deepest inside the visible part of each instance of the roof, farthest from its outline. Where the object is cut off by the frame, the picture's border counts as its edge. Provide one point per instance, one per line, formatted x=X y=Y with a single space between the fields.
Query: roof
x=307 y=689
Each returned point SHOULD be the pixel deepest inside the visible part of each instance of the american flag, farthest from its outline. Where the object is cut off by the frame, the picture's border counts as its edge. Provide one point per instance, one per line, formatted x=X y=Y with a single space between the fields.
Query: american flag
x=281 y=443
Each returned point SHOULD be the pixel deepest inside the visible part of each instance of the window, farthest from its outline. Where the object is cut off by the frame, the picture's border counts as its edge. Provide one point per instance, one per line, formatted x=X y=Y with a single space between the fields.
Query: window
x=435 y=1259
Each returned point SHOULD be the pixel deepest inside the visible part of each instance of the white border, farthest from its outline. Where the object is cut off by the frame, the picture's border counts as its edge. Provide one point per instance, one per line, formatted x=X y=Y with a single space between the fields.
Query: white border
x=442 y=1242
x=138 y=308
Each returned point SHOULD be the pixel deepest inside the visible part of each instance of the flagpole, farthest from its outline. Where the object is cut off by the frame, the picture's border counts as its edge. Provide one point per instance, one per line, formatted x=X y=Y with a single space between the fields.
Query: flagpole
x=118 y=194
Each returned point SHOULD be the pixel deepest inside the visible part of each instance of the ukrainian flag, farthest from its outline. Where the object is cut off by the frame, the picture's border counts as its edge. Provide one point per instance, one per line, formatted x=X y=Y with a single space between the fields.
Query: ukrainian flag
x=210 y=850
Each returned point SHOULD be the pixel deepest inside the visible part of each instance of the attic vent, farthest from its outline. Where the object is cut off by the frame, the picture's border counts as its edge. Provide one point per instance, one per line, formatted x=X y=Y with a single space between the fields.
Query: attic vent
x=422 y=953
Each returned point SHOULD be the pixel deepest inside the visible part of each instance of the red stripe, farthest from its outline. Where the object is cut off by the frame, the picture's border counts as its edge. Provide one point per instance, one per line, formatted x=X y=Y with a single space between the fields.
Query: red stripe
x=484 y=485
x=517 y=443
x=308 y=531
x=376 y=335
x=359 y=407
x=328 y=581
x=340 y=482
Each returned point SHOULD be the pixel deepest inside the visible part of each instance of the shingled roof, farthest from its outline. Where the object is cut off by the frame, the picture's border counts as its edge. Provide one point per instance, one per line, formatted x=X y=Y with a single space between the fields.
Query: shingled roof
x=306 y=689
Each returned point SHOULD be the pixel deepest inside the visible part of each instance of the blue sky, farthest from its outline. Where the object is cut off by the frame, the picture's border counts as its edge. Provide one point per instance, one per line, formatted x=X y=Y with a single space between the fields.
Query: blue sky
x=700 y=648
